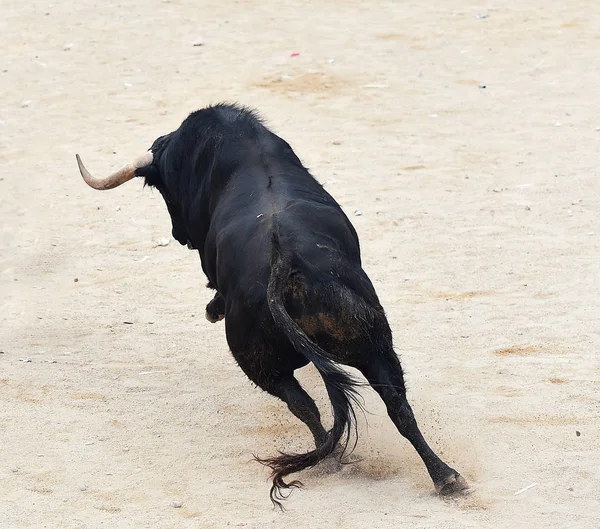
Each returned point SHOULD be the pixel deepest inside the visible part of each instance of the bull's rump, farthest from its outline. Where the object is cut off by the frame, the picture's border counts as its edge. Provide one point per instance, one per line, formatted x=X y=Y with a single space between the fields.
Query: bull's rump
x=344 y=321
x=327 y=292
x=315 y=235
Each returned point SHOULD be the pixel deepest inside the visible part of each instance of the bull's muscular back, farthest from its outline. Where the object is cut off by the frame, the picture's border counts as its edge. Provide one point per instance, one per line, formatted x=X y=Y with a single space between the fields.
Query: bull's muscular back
x=244 y=182
x=267 y=188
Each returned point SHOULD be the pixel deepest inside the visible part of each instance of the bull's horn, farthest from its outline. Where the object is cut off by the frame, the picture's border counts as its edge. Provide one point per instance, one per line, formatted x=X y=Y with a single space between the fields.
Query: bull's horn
x=115 y=179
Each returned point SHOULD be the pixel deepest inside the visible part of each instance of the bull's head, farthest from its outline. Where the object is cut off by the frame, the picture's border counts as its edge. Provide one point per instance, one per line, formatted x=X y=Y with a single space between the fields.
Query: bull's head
x=148 y=167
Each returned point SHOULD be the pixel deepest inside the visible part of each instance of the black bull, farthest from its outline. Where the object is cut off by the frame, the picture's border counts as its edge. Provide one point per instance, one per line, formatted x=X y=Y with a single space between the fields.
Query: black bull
x=285 y=263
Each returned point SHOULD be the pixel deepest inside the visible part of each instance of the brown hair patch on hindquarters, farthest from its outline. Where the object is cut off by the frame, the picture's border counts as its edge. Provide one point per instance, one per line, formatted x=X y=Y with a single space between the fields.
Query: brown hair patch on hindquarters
x=328 y=323
x=335 y=314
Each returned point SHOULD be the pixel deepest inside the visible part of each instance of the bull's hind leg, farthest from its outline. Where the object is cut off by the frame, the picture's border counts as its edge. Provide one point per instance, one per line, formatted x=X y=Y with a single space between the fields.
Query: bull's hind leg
x=386 y=377
x=289 y=390
x=271 y=367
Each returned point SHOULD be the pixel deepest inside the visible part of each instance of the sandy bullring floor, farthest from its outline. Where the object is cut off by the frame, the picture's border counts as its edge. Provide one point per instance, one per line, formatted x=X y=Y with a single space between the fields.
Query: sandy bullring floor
x=466 y=134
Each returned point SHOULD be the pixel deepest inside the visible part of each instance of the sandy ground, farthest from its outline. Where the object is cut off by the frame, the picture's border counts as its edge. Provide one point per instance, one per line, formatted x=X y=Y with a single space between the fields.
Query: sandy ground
x=479 y=228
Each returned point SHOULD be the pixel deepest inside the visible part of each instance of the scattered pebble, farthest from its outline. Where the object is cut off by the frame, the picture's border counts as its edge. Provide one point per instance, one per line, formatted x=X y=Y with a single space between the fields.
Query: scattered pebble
x=336 y=142
x=481 y=16
x=198 y=42
x=118 y=208
x=26 y=360
x=177 y=504
x=83 y=488
x=75 y=280
x=357 y=212
x=260 y=215
x=145 y=258
x=128 y=322
x=67 y=47
x=527 y=208
x=577 y=433
x=14 y=469
x=51 y=361
x=127 y=85
x=26 y=103
x=163 y=242
x=481 y=86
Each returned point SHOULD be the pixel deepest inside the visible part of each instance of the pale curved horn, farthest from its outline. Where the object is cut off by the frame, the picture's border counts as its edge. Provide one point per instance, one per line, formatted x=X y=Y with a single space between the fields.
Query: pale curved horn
x=115 y=179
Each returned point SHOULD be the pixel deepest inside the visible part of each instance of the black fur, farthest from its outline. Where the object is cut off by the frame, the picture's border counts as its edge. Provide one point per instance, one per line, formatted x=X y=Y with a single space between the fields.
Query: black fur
x=285 y=261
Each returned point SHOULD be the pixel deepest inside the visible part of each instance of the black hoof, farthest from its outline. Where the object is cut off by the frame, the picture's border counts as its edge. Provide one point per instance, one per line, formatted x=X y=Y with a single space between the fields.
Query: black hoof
x=214 y=317
x=453 y=484
x=215 y=310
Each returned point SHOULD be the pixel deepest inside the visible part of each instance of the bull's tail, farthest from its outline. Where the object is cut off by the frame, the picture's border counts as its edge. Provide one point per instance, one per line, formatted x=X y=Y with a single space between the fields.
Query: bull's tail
x=341 y=387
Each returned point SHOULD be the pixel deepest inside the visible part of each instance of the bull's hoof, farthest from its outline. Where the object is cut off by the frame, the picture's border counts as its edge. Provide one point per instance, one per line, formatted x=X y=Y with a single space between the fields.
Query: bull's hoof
x=214 y=317
x=215 y=310
x=452 y=484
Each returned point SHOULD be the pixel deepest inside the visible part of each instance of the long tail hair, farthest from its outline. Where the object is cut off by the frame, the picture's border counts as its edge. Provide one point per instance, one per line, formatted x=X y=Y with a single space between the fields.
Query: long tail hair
x=341 y=387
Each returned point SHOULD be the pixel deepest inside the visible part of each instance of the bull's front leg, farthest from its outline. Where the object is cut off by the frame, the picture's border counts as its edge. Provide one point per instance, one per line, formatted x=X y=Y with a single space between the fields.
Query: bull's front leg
x=215 y=310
